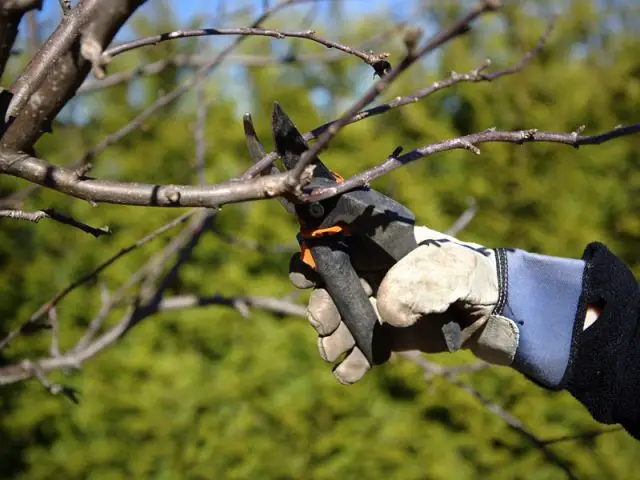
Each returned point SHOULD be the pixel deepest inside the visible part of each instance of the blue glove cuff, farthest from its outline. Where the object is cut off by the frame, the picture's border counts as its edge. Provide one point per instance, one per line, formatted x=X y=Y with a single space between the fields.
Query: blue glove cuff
x=540 y=294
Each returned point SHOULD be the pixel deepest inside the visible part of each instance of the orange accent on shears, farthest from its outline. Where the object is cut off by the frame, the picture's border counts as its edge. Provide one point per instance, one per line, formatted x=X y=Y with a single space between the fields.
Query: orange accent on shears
x=305 y=251
x=339 y=178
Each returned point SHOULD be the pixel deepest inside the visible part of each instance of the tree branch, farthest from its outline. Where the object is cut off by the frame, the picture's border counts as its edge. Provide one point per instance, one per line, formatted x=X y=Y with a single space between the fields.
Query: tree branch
x=196 y=79
x=58 y=217
x=44 y=309
x=476 y=75
x=59 y=69
x=469 y=142
x=41 y=64
x=463 y=220
x=268 y=304
x=430 y=369
x=369 y=58
x=73 y=359
x=196 y=61
x=70 y=183
x=11 y=12
x=458 y=28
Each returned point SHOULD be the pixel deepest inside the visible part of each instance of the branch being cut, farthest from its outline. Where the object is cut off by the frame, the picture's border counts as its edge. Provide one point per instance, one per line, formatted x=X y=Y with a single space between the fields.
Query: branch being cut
x=70 y=183
x=469 y=142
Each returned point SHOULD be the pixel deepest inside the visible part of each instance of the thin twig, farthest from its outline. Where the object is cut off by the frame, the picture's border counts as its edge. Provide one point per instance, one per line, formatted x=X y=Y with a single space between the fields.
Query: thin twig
x=161 y=102
x=369 y=58
x=96 y=323
x=36 y=371
x=54 y=349
x=58 y=217
x=199 y=133
x=268 y=304
x=44 y=309
x=182 y=60
x=478 y=74
x=469 y=142
x=463 y=220
x=21 y=215
x=458 y=28
x=582 y=435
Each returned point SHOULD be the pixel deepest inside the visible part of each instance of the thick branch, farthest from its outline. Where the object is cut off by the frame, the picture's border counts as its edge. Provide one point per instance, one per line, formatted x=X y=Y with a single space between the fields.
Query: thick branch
x=11 y=12
x=70 y=183
x=41 y=64
x=64 y=69
x=469 y=142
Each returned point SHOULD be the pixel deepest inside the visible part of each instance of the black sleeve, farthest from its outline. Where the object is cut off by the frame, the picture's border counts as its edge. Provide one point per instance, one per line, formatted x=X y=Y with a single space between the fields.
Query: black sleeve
x=604 y=366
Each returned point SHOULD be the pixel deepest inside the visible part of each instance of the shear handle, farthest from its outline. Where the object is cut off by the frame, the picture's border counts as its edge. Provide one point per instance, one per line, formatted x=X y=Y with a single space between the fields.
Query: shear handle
x=333 y=264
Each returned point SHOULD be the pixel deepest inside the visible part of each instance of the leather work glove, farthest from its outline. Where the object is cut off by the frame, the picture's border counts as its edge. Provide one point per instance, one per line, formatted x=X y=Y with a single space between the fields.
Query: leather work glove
x=508 y=307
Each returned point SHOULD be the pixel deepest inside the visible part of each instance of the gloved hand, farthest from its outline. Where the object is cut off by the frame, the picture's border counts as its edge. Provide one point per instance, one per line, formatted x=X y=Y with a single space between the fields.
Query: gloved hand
x=440 y=297
x=446 y=295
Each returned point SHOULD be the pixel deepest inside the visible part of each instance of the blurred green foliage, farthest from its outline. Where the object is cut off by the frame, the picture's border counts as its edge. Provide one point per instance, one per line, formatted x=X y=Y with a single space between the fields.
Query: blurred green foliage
x=202 y=393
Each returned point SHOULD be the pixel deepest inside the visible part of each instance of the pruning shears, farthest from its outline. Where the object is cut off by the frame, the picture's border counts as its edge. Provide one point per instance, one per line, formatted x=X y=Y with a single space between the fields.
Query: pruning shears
x=361 y=221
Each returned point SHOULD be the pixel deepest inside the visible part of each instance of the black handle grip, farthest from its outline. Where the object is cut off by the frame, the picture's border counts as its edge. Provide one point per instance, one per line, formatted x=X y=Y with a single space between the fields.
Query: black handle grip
x=333 y=264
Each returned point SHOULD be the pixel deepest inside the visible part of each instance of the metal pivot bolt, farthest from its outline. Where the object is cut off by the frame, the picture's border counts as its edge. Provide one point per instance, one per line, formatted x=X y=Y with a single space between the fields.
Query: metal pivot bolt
x=316 y=210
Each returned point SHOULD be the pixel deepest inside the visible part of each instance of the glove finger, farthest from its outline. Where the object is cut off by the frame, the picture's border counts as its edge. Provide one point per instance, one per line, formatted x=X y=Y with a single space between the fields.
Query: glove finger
x=352 y=368
x=335 y=345
x=302 y=275
x=322 y=313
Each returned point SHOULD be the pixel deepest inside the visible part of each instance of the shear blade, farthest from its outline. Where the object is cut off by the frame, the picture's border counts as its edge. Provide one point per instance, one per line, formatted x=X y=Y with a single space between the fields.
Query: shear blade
x=290 y=144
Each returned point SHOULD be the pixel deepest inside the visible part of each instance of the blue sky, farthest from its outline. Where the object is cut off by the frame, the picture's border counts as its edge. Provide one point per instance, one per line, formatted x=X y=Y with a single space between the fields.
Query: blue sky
x=188 y=10
x=207 y=13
